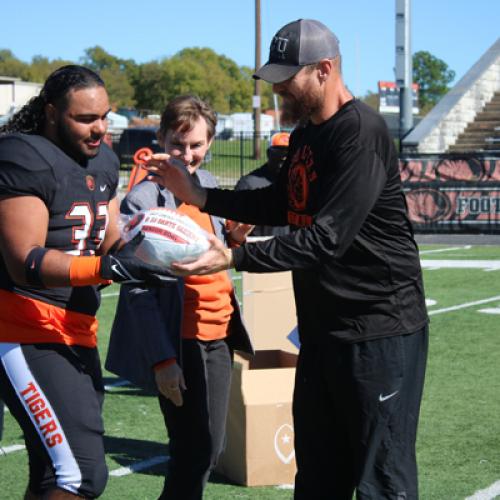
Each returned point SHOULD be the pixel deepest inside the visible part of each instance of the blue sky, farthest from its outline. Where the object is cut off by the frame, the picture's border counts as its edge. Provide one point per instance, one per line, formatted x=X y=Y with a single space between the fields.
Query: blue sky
x=457 y=31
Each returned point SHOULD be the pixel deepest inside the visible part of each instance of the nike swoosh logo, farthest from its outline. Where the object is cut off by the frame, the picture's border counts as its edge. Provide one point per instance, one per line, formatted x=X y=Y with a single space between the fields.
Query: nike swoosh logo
x=382 y=398
x=118 y=271
x=103 y=188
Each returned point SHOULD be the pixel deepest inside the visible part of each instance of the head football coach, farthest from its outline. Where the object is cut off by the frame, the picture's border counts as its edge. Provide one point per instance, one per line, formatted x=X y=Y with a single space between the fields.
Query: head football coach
x=358 y=285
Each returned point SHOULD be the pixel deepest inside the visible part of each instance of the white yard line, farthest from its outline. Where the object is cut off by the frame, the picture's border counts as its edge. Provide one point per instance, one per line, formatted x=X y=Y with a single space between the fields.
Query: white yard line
x=285 y=487
x=490 y=310
x=486 y=265
x=447 y=249
x=464 y=305
x=4 y=450
x=131 y=469
x=125 y=471
x=488 y=493
x=120 y=383
x=110 y=294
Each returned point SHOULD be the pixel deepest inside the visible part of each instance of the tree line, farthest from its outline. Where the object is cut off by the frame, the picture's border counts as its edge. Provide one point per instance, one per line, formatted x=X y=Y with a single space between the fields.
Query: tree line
x=199 y=70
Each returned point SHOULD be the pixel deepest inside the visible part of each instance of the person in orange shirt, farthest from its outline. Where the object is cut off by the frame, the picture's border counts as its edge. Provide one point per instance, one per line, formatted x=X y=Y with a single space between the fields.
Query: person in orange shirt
x=179 y=339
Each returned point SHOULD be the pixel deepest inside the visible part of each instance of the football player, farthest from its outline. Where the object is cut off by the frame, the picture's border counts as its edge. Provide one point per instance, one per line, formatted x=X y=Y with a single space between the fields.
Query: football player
x=59 y=213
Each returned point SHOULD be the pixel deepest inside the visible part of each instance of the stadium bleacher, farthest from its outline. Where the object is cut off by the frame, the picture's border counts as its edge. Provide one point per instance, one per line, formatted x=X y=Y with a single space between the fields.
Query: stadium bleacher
x=483 y=134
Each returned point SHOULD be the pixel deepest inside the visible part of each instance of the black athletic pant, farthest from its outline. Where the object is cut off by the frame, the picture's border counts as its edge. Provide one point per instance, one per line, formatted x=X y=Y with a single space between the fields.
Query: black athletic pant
x=197 y=428
x=356 y=409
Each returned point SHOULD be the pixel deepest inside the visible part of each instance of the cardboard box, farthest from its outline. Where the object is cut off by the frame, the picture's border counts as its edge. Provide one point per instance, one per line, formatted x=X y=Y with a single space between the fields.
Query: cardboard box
x=269 y=310
x=259 y=439
x=259 y=445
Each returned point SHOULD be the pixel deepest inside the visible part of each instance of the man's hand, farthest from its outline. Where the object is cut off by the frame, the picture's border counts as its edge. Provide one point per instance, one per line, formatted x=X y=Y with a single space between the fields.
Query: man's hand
x=215 y=259
x=238 y=231
x=172 y=173
x=125 y=268
x=170 y=382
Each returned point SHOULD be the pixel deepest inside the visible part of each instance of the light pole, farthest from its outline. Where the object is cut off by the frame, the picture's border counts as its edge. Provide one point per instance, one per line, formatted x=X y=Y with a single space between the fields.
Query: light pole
x=256 y=96
x=404 y=66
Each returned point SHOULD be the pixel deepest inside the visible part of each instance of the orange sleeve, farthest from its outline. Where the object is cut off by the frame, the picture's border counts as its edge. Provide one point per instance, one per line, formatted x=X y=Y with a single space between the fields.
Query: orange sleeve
x=84 y=271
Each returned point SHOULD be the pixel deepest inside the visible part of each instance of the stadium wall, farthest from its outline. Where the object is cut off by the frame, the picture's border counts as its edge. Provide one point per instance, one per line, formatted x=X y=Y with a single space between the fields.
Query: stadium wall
x=452 y=193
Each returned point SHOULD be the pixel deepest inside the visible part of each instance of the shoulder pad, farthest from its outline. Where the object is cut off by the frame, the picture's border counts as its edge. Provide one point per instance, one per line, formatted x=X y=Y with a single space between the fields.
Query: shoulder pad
x=31 y=152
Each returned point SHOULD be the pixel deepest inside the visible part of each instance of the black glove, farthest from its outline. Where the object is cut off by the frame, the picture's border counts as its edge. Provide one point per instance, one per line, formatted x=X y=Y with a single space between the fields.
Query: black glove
x=125 y=268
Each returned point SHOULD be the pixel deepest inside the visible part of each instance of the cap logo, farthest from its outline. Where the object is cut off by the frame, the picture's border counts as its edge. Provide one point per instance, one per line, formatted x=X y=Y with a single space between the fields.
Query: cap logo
x=279 y=46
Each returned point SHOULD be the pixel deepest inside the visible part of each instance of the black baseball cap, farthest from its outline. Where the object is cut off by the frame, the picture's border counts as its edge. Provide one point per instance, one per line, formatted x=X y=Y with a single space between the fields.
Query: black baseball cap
x=297 y=44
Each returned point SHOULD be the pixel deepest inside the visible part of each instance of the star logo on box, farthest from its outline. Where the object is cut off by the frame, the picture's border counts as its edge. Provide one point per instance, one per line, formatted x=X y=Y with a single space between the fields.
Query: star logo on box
x=283 y=443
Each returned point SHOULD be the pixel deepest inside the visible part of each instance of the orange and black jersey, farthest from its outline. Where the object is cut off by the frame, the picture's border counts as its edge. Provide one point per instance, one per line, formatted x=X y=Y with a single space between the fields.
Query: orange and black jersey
x=77 y=198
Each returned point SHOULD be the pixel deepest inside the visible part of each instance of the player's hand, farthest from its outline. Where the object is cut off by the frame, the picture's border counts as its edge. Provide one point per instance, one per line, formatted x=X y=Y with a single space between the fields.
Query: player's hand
x=125 y=268
x=215 y=259
x=238 y=231
x=173 y=174
x=170 y=382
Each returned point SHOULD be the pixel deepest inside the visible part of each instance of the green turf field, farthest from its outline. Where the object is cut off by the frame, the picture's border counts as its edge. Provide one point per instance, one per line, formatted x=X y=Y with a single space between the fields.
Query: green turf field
x=459 y=437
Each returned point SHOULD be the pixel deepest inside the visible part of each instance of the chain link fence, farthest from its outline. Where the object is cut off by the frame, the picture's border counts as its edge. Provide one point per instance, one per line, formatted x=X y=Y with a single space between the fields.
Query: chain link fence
x=229 y=158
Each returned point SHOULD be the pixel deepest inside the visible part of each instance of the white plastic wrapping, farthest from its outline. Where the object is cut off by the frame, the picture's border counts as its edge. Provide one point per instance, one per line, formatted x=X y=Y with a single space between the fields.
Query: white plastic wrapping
x=169 y=236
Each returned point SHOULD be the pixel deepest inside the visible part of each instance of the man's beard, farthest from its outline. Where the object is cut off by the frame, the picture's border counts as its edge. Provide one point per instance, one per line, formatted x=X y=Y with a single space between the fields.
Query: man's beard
x=297 y=109
x=68 y=145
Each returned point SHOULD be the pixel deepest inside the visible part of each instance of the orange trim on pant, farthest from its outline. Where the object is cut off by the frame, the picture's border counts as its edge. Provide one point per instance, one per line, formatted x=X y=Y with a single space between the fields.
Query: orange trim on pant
x=25 y=320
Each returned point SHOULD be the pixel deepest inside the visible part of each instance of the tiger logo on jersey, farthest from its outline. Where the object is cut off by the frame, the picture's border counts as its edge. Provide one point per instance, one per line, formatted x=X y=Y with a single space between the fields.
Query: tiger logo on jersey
x=90 y=181
x=300 y=175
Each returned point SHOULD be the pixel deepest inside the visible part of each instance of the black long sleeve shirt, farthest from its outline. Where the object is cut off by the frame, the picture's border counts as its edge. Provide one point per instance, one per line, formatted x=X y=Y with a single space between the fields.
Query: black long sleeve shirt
x=354 y=260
